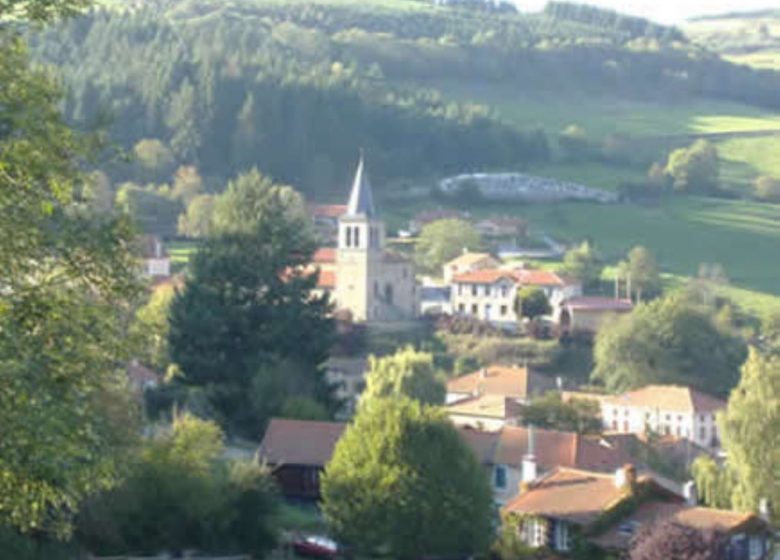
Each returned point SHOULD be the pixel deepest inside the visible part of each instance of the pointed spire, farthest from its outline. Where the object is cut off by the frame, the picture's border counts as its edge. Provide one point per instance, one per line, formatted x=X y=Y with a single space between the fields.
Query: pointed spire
x=361 y=199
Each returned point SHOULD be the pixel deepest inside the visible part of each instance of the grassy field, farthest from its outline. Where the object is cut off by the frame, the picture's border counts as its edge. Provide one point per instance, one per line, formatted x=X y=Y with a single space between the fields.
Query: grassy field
x=742 y=236
x=763 y=60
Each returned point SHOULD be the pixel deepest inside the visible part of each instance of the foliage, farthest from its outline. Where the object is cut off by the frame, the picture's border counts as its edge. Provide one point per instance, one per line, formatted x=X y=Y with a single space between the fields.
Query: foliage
x=694 y=169
x=443 y=240
x=402 y=481
x=246 y=330
x=155 y=158
x=673 y=541
x=550 y=412
x=767 y=188
x=583 y=263
x=150 y=326
x=750 y=429
x=179 y=494
x=406 y=373
x=667 y=341
x=196 y=220
x=713 y=482
x=151 y=207
x=509 y=545
x=533 y=303
x=66 y=282
x=641 y=270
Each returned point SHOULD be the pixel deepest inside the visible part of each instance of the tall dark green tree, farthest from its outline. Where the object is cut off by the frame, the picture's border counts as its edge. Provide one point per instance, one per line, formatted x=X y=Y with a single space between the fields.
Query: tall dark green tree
x=247 y=330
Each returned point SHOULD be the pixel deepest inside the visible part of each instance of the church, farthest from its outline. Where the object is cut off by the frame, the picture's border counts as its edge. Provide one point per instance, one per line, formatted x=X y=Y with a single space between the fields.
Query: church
x=361 y=275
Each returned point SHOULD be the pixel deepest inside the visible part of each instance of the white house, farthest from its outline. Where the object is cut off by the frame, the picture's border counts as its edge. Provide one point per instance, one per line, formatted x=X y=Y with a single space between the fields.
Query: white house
x=669 y=410
x=467 y=262
x=156 y=261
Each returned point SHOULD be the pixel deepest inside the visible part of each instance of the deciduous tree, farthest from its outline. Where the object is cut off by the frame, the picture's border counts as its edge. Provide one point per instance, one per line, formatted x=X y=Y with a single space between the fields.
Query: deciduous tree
x=402 y=481
x=442 y=241
x=694 y=169
x=583 y=263
x=672 y=541
x=406 y=373
x=668 y=341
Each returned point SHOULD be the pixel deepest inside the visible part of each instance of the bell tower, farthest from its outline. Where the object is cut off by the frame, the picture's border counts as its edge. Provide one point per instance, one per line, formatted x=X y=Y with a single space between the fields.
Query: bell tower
x=360 y=247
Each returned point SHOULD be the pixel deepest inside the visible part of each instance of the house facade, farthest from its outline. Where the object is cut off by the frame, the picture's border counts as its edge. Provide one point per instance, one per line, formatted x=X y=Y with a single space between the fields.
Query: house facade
x=607 y=511
x=490 y=294
x=156 y=261
x=667 y=410
x=586 y=314
x=467 y=262
x=362 y=277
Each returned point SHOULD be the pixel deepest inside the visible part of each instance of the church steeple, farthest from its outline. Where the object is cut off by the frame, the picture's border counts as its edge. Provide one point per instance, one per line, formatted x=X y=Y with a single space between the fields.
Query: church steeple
x=361 y=198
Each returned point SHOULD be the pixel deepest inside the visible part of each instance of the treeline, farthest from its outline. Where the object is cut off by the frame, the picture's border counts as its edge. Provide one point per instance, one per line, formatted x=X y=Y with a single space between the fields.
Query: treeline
x=636 y=27
x=229 y=96
x=295 y=89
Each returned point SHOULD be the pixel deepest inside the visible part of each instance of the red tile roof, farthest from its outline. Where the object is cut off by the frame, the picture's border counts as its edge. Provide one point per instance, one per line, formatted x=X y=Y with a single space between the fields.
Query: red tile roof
x=486 y=406
x=674 y=398
x=470 y=259
x=324 y=255
x=326 y=279
x=508 y=381
x=533 y=277
x=328 y=210
x=596 y=303
x=486 y=276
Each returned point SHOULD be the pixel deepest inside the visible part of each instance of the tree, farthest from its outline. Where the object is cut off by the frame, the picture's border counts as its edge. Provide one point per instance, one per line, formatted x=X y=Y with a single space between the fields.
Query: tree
x=403 y=481
x=443 y=240
x=672 y=541
x=151 y=328
x=406 y=373
x=67 y=279
x=533 y=303
x=150 y=207
x=196 y=221
x=550 y=412
x=767 y=188
x=246 y=331
x=694 y=169
x=750 y=429
x=155 y=158
x=187 y=184
x=583 y=263
x=641 y=273
x=667 y=341
x=41 y=12
x=180 y=494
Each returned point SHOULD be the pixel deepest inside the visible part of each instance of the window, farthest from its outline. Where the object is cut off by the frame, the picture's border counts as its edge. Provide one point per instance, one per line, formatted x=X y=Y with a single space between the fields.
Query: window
x=504 y=291
x=615 y=411
x=461 y=308
x=389 y=293
x=680 y=418
x=561 y=536
x=702 y=434
x=667 y=430
x=615 y=425
x=626 y=427
x=679 y=431
x=487 y=311
x=504 y=310
x=357 y=237
x=487 y=290
x=668 y=417
x=755 y=548
x=499 y=476
x=474 y=309
x=460 y=289
x=474 y=290
x=534 y=530
x=348 y=241
x=701 y=418
x=376 y=288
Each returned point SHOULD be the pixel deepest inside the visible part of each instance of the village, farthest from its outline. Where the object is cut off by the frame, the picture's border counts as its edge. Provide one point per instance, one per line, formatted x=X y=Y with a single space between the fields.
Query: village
x=627 y=471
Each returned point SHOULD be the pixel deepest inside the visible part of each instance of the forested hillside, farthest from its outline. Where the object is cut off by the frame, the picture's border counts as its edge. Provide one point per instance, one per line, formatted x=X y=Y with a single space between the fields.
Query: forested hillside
x=296 y=87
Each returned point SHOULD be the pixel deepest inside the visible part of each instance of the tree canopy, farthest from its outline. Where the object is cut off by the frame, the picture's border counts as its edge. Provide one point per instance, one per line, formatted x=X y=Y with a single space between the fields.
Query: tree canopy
x=246 y=330
x=750 y=430
x=694 y=169
x=406 y=373
x=673 y=541
x=403 y=481
x=668 y=341
x=583 y=263
x=550 y=412
x=443 y=240
x=66 y=285
x=533 y=303
x=640 y=271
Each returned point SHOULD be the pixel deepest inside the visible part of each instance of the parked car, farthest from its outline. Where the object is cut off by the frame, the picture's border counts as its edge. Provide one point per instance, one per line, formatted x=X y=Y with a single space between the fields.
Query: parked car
x=316 y=546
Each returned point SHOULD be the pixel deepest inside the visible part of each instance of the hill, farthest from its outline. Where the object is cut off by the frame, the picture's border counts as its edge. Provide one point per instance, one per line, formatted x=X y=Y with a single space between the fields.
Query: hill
x=294 y=87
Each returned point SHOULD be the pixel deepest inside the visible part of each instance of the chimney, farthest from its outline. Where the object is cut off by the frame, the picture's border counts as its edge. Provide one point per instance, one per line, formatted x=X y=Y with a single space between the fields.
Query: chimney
x=529 y=471
x=625 y=476
x=689 y=493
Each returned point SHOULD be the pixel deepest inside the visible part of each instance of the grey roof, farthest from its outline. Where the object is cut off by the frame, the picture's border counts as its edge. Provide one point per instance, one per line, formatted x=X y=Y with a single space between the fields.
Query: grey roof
x=361 y=199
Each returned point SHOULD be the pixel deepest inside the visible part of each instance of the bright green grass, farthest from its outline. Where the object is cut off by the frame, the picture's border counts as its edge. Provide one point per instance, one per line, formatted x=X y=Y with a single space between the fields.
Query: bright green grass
x=763 y=60
x=181 y=251
x=744 y=237
x=761 y=155
x=601 y=115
